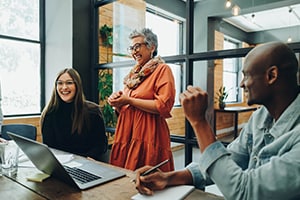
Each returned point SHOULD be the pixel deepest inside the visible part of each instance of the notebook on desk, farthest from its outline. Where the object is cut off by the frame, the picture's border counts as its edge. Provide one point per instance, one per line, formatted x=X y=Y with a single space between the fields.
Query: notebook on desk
x=80 y=172
x=171 y=193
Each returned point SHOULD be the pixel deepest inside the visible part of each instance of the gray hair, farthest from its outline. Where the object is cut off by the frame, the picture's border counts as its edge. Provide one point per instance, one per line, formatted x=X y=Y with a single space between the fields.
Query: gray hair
x=149 y=37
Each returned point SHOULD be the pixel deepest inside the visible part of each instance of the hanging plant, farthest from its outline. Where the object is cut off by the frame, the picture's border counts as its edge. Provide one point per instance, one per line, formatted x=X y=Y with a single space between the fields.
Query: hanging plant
x=105 y=90
x=106 y=34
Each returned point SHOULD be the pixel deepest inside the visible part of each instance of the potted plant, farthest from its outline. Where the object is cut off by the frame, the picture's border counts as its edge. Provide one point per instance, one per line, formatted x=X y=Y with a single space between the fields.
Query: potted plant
x=221 y=96
x=106 y=34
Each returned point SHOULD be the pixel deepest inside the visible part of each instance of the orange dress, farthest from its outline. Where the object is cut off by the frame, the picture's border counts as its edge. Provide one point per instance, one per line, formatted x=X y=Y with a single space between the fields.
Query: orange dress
x=143 y=138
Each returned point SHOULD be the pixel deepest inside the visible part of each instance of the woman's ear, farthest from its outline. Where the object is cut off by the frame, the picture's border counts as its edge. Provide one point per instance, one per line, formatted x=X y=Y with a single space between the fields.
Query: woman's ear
x=152 y=51
x=272 y=74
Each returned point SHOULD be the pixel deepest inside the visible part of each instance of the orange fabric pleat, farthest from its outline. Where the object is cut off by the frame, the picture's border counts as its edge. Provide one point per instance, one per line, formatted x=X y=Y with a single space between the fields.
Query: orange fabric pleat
x=142 y=138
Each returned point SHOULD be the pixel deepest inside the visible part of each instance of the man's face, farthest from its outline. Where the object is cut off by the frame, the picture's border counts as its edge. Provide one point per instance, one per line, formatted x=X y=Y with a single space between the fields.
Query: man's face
x=254 y=81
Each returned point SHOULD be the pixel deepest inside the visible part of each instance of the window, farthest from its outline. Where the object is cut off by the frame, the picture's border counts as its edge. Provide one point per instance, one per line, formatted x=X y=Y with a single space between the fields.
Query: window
x=20 y=57
x=168 y=37
x=123 y=17
x=168 y=44
x=231 y=68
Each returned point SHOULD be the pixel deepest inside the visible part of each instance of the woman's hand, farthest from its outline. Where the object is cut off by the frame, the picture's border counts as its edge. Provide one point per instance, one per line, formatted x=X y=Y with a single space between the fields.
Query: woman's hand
x=118 y=99
x=115 y=95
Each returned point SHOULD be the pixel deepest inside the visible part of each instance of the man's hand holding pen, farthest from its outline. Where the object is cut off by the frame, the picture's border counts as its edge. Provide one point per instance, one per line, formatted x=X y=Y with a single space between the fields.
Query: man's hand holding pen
x=150 y=178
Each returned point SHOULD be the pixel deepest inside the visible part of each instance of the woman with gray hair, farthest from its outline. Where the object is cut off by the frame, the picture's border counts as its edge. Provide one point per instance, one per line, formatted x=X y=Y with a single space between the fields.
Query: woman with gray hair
x=142 y=135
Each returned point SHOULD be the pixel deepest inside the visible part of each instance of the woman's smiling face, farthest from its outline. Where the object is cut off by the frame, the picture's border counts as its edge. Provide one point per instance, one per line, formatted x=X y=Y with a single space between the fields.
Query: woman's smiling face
x=141 y=53
x=66 y=88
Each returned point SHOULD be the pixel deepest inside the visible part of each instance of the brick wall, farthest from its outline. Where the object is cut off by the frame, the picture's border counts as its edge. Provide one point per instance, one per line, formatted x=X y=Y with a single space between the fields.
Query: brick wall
x=106 y=17
x=177 y=122
x=225 y=121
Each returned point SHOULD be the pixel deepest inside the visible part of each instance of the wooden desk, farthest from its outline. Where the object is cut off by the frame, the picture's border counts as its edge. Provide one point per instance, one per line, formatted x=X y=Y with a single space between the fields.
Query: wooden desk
x=235 y=110
x=9 y=189
x=51 y=188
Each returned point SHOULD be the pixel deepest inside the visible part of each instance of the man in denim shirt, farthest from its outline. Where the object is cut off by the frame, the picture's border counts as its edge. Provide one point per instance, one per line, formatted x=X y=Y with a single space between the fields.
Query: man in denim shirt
x=263 y=162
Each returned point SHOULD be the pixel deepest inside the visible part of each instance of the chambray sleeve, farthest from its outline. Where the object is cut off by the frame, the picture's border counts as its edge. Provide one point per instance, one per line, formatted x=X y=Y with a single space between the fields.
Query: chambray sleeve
x=199 y=170
x=198 y=179
x=278 y=178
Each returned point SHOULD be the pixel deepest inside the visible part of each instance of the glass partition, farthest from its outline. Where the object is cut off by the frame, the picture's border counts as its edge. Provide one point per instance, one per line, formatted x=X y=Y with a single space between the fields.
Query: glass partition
x=256 y=23
x=20 y=19
x=118 y=19
x=215 y=65
x=21 y=52
x=20 y=77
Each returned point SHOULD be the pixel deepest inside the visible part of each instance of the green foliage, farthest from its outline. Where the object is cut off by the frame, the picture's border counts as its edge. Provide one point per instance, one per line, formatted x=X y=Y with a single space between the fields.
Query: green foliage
x=221 y=95
x=105 y=90
x=106 y=35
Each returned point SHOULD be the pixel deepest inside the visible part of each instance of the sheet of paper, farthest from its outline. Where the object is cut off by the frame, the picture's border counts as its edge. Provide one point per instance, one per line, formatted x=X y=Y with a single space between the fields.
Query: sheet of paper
x=170 y=193
x=64 y=158
x=25 y=162
x=213 y=189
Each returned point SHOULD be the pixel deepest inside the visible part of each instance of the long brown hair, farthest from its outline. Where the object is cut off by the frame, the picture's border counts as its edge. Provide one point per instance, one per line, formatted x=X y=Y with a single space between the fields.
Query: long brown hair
x=79 y=101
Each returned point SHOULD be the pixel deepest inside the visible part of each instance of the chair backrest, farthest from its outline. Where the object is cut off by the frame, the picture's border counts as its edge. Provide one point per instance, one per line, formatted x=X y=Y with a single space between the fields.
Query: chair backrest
x=25 y=130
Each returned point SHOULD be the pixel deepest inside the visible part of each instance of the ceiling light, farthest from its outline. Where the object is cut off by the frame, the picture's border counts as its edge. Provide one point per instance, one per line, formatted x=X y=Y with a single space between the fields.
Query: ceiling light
x=236 y=10
x=253 y=15
x=253 y=18
x=228 y=4
x=290 y=38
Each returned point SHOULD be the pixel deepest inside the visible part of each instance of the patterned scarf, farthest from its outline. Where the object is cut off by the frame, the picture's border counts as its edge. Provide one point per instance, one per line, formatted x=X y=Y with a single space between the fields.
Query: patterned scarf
x=138 y=73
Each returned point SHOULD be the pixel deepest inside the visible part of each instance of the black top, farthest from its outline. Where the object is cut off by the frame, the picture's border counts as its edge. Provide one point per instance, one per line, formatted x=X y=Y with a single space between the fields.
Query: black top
x=57 y=126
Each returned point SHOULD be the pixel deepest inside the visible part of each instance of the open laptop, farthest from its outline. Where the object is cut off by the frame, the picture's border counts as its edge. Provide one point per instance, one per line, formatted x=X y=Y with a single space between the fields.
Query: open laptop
x=90 y=172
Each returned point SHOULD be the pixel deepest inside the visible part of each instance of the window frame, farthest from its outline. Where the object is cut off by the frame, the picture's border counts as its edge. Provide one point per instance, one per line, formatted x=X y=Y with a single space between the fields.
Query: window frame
x=188 y=57
x=235 y=70
x=41 y=42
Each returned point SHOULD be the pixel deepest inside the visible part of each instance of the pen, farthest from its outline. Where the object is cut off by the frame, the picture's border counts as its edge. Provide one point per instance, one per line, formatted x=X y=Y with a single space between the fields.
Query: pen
x=152 y=169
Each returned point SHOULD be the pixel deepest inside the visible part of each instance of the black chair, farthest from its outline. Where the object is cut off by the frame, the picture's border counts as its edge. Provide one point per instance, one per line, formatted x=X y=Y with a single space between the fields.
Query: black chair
x=25 y=130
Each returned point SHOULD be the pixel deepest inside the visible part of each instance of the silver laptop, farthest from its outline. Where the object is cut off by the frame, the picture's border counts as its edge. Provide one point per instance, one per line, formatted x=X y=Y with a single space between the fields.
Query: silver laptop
x=86 y=174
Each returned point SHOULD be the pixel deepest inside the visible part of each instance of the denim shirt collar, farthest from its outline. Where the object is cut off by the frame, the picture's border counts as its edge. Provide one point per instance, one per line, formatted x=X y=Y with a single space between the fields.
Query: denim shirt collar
x=285 y=121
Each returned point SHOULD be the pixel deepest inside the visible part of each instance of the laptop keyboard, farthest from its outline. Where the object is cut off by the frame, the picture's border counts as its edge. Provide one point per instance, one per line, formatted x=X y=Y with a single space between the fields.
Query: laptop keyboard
x=80 y=175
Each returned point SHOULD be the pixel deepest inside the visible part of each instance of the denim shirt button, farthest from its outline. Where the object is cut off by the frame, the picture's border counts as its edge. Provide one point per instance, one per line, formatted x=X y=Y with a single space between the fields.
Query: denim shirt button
x=255 y=158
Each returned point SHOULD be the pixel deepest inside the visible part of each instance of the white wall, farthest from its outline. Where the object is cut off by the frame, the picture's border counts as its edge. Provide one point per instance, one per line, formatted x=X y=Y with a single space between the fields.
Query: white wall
x=58 y=40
